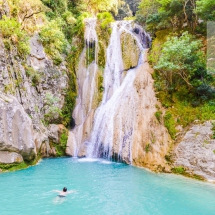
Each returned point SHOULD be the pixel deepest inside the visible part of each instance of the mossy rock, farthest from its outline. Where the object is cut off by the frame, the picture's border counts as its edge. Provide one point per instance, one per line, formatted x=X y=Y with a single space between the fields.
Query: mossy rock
x=130 y=51
x=60 y=148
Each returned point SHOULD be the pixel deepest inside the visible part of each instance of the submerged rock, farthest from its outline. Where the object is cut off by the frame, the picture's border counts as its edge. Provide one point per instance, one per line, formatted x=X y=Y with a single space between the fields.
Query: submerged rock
x=196 y=152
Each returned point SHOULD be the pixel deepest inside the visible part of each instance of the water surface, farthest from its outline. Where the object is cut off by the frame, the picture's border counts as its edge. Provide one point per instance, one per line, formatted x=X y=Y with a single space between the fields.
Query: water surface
x=102 y=187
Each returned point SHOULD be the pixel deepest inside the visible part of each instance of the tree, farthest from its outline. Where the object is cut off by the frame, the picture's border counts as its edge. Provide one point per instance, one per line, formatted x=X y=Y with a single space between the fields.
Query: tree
x=95 y=6
x=206 y=9
x=168 y=14
x=180 y=59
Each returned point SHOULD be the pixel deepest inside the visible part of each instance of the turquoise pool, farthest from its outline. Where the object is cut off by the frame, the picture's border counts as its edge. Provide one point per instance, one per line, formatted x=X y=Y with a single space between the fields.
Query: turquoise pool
x=101 y=187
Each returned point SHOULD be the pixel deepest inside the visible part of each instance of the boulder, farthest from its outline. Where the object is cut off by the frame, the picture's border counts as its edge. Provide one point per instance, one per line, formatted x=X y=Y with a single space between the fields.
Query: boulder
x=71 y=144
x=196 y=151
x=10 y=157
x=55 y=132
x=16 y=130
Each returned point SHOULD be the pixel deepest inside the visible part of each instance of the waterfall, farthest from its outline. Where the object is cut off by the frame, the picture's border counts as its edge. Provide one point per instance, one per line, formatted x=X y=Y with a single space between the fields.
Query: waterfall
x=124 y=122
x=87 y=87
x=113 y=127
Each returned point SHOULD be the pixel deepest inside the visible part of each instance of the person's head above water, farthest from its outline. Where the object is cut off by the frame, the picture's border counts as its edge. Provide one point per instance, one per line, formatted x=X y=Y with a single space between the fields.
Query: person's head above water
x=64 y=189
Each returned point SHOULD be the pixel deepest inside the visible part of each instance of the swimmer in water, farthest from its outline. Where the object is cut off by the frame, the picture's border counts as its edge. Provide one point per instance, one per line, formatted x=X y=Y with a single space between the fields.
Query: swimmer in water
x=63 y=193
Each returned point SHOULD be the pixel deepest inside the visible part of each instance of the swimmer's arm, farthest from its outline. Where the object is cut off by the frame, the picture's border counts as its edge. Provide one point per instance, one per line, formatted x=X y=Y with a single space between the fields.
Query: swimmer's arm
x=57 y=191
x=72 y=191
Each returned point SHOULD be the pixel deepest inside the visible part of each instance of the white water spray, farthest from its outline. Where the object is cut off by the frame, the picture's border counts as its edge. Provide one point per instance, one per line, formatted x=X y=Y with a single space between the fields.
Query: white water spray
x=114 y=124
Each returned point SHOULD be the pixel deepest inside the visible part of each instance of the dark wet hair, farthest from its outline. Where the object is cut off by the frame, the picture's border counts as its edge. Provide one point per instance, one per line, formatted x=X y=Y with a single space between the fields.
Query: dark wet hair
x=64 y=189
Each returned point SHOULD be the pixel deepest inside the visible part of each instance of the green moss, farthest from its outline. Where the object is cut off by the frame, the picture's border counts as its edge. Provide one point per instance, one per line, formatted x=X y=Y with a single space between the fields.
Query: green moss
x=34 y=75
x=60 y=147
x=158 y=115
x=104 y=32
x=147 y=147
x=179 y=170
x=170 y=124
x=69 y=103
x=100 y=88
x=182 y=171
x=155 y=52
x=213 y=129
x=101 y=54
x=18 y=166
x=64 y=138
x=129 y=45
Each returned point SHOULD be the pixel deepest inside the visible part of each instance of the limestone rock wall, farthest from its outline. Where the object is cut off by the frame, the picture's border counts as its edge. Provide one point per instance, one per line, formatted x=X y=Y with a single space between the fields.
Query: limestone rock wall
x=16 y=129
x=31 y=93
x=151 y=140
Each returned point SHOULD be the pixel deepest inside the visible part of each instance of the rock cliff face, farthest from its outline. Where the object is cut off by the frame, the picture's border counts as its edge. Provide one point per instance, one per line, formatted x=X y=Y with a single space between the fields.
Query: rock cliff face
x=151 y=140
x=196 y=152
x=32 y=93
x=16 y=129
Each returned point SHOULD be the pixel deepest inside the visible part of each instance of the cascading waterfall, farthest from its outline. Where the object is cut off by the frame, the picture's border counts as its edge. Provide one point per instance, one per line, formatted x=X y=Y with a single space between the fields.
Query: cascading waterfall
x=124 y=125
x=87 y=87
x=112 y=132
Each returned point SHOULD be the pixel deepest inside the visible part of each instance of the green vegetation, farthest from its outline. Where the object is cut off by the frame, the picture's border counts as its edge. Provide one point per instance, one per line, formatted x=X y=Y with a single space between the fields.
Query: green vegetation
x=104 y=31
x=52 y=112
x=35 y=76
x=170 y=124
x=179 y=170
x=147 y=147
x=158 y=115
x=206 y=9
x=104 y=20
x=18 y=166
x=64 y=138
x=53 y=41
x=182 y=171
x=69 y=103
x=13 y=35
x=13 y=166
x=183 y=84
x=213 y=129
x=61 y=146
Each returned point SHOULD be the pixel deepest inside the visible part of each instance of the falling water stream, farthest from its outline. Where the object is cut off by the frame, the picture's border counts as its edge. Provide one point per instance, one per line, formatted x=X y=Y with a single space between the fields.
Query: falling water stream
x=106 y=130
x=116 y=83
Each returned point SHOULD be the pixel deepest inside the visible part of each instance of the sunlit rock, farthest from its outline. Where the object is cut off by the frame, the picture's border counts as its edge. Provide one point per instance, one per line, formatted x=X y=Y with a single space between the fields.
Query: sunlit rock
x=16 y=129
x=10 y=157
x=196 y=151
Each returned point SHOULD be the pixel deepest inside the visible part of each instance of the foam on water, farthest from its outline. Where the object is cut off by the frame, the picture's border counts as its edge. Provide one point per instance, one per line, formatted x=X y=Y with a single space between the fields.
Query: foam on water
x=82 y=160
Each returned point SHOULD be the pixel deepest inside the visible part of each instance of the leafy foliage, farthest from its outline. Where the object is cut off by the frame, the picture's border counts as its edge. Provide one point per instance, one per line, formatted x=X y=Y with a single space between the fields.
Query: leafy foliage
x=105 y=19
x=181 y=57
x=168 y=14
x=206 y=9
x=53 y=41
x=14 y=36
